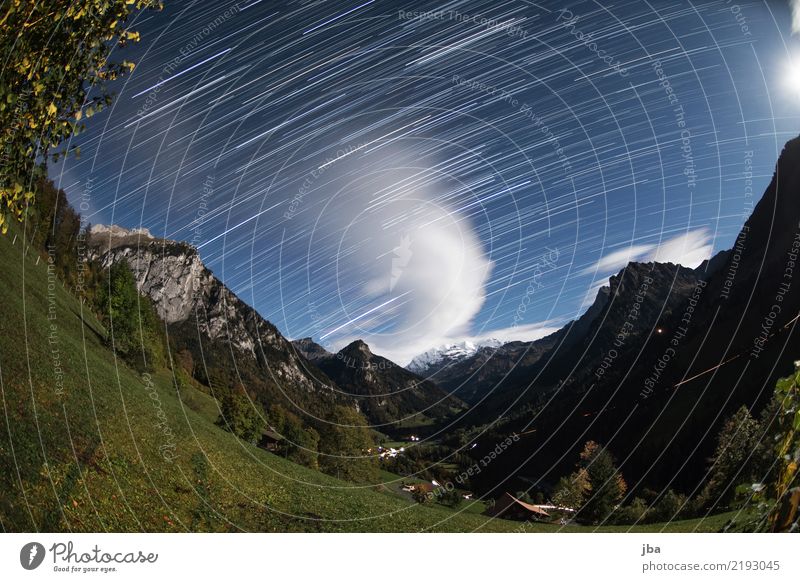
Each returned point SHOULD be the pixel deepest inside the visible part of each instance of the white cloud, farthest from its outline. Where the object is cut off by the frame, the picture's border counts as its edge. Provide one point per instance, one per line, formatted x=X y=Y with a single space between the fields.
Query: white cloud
x=795 y=7
x=415 y=258
x=688 y=249
x=618 y=259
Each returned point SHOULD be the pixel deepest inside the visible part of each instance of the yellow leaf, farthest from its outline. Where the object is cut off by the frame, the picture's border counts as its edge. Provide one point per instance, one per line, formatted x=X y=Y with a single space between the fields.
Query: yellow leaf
x=51 y=109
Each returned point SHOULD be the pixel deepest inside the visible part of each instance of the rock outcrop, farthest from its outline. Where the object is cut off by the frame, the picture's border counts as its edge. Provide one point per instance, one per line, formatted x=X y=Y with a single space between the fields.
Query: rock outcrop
x=192 y=301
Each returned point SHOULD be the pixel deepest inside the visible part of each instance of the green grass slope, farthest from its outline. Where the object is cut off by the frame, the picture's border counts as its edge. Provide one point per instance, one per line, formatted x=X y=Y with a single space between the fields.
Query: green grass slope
x=87 y=444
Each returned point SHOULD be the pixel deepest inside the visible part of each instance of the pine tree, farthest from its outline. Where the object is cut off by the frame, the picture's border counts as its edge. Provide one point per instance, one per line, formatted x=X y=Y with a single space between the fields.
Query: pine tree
x=606 y=482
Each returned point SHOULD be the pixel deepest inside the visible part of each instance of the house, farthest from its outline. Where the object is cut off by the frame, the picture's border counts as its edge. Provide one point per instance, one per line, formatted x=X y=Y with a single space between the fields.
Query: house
x=509 y=507
x=270 y=440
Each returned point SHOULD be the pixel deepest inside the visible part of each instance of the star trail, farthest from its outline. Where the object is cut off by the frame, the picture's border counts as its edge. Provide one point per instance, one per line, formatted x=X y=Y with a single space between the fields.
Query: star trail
x=396 y=172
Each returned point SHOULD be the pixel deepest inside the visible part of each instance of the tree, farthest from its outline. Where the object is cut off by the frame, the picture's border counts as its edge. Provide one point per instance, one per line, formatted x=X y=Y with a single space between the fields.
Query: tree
x=572 y=490
x=55 y=71
x=54 y=227
x=241 y=416
x=670 y=506
x=135 y=330
x=637 y=511
x=523 y=496
x=300 y=443
x=606 y=482
x=734 y=459
x=784 y=489
x=345 y=442
x=276 y=417
x=774 y=502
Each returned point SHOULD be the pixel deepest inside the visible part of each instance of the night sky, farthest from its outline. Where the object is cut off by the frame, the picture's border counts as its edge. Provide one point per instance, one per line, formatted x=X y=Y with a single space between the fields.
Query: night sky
x=416 y=174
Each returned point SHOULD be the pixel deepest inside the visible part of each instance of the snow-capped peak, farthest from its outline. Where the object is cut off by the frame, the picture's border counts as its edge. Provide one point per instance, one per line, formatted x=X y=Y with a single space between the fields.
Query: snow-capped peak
x=448 y=353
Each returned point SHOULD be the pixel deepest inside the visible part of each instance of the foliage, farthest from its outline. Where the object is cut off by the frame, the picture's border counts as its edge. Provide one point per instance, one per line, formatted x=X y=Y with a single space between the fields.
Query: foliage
x=606 y=482
x=572 y=490
x=345 y=442
x=778 y=500
x=636 y=512
x=450 y=498
x=135 y=329
x=734 y=460
x=55 y=71
x=241 y=416
x=300 y=443
x=54 y=227
x=670 y=506
x=523 y=496
x=421 y=496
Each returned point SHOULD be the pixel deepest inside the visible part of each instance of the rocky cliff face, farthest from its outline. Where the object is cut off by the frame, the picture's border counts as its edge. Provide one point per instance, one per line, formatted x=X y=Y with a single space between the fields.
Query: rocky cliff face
x=169 y=272
x=311 y=350
x=193 y=302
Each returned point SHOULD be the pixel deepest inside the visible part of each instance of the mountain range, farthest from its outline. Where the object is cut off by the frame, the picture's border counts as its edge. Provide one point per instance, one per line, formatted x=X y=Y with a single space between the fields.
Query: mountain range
x=385 y=392
x=651 y=369
x=224 y=341
x=660 y=364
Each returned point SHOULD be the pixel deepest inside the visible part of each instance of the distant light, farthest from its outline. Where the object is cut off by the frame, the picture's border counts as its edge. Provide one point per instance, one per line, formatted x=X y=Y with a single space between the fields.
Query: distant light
x=659 y=330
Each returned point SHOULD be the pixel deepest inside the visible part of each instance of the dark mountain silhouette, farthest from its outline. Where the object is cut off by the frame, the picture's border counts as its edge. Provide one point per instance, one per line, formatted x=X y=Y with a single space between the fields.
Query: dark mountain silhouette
x=656 y=386
x=385 y=392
